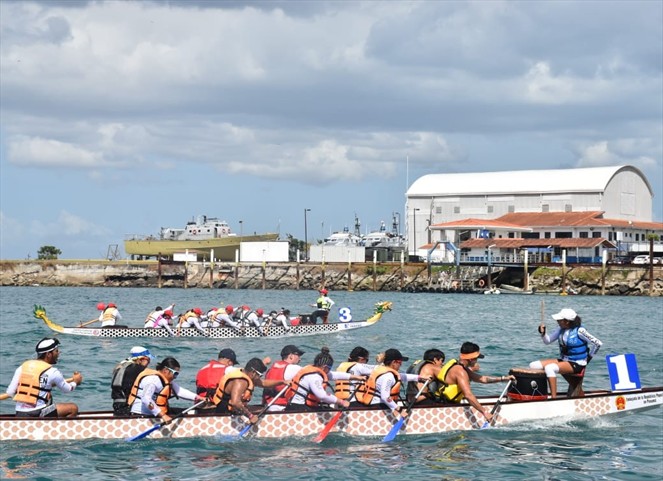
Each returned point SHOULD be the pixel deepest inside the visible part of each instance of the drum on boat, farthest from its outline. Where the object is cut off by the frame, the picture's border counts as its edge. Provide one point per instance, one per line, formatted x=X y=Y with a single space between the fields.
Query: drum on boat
x=530 y=385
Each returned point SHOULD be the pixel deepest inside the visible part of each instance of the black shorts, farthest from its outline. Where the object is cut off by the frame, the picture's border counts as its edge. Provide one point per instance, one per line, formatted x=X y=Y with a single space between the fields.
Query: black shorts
x=50 y=411
x=577 y=368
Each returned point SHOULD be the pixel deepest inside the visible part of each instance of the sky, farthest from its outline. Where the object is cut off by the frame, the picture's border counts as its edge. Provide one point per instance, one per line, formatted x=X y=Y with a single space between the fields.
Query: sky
x=119 y=118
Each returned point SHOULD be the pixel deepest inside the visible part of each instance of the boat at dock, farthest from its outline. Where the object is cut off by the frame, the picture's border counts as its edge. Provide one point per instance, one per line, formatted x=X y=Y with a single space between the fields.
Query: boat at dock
x=355 y=421
x=200 y=237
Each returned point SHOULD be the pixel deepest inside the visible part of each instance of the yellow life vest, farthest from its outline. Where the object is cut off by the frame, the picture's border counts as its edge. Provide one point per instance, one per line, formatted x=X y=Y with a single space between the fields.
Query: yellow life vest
x=369 y=390
x=448 y=392
x=109 y=314
x=29 y=388
x=161 y=398
x=221 y=397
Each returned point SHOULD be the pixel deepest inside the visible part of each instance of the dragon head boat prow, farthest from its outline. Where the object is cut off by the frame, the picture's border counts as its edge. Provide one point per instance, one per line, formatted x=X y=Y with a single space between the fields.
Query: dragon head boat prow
x=380 y=308
x=40 y=313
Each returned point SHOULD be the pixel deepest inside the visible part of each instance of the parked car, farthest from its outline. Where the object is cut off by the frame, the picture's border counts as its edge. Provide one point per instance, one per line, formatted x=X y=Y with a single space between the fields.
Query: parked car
x=643 y=259
x=620 y=260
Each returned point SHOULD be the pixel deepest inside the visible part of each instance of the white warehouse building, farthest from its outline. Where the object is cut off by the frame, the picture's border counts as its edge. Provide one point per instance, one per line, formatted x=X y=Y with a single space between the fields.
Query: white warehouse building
x=620 y=193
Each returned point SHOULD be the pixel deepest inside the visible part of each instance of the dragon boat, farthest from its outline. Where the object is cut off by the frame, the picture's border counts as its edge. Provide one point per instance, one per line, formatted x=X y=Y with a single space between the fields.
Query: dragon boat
x=365 y=422
x=344 y=323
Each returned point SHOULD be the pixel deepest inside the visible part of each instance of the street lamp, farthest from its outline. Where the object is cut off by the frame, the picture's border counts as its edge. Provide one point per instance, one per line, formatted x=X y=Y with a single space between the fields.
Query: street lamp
x=241 y=230
x=306 y=234
x=414 y=230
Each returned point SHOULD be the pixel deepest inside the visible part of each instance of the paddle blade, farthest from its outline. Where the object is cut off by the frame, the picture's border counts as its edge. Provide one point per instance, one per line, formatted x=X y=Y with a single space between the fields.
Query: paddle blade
x=332 y=422
x=394 y=431
x=244 y=430
x=144 y=434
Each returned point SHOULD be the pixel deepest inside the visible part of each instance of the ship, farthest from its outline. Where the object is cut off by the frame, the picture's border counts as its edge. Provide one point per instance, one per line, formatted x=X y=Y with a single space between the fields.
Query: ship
x=200 y=237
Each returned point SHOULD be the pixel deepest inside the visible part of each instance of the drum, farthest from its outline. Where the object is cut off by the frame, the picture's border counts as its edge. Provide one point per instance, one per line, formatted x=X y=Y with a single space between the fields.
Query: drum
x=530 y=385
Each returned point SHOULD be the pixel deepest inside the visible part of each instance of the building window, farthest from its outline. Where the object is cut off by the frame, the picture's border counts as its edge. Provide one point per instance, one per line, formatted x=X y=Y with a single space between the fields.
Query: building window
x=511 y=235
x=637 y=237
x=584 y=235
x=596 y=235
x=512 y=208
x=545 y=207
x=546 y=235
x=563 y=235
x=490 y=209
x=531 y=235
x=457 y=209
x=438 y=209
x=568 y=208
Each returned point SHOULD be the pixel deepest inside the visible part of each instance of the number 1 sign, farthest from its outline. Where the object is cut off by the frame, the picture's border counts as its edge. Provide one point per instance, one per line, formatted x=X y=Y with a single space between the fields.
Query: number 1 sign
x=623 y=371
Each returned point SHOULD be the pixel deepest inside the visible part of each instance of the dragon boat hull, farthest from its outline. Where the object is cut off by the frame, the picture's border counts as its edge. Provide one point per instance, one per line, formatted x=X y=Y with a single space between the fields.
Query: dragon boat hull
x=354 y=422
x=217 y=332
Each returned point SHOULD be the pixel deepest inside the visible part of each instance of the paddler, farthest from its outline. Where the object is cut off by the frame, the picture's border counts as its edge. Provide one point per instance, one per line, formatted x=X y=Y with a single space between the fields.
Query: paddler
x=324 y=305
x=428 y=367
x=34 y=380
x=455 y=377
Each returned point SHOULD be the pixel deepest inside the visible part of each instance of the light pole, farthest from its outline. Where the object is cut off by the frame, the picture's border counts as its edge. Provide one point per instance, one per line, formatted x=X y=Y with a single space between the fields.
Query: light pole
x=490 y=280
x=414 y=230
x=241 y=230
x=306 y=234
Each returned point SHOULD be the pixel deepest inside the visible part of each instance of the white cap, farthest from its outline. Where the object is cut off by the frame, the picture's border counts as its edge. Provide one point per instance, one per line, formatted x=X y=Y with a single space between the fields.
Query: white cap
x=140 y=351
x=565 y=314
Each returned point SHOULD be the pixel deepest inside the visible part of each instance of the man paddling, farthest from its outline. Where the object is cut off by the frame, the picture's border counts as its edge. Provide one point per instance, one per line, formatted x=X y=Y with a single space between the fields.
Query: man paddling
x=34 y=380
x=456 y=375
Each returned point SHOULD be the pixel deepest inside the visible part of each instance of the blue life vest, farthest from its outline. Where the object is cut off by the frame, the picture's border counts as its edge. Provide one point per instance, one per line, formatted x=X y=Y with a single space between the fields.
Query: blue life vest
x=575 y=348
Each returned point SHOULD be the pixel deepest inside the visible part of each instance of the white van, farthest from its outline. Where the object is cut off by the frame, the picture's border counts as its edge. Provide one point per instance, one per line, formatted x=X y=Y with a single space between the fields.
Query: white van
x=644 y=259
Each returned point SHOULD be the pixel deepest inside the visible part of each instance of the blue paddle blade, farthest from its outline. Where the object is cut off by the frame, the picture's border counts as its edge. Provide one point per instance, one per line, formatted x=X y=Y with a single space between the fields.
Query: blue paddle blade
x=144 y=434
x=244 y=430
x=394 y=431
x=485 y=425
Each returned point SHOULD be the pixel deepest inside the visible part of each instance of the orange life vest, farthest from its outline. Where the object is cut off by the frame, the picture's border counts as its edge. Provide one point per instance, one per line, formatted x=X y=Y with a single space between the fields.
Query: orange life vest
x=221 y=397
x=294 y=388
x=369 y=390
x=161 y=398
x=29 y=388
x=343 y=387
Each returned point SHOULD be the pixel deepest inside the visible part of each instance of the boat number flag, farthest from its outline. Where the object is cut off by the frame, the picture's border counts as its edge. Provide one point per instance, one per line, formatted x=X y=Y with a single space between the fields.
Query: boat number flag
x=623 y=371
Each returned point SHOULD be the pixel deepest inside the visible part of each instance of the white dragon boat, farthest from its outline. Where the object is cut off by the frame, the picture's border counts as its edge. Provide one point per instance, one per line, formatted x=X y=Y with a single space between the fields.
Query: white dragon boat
x=344 y=323
x=423 y=420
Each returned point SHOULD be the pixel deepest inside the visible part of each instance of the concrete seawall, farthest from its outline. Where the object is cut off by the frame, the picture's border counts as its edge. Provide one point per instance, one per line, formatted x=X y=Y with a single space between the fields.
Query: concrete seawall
x=614 y=280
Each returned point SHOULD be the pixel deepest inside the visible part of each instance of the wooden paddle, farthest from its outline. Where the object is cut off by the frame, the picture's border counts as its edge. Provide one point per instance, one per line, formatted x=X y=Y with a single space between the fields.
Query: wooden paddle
x=88 y=323
x=332 y=422
x=399 y=424
x=262 y=412
x=4 y=395
x=149 y=431
x=488 y=424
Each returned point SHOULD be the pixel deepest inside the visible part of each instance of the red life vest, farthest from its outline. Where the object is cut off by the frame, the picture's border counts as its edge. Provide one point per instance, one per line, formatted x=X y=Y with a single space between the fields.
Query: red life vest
x=209 y=376
x=277 y=372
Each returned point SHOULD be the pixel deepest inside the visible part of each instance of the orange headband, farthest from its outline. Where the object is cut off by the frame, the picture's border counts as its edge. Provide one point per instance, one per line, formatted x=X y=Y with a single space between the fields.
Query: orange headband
x=471 y=355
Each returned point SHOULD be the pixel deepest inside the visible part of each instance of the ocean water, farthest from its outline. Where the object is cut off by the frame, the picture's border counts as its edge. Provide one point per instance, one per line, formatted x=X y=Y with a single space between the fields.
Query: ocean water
x=627 y=447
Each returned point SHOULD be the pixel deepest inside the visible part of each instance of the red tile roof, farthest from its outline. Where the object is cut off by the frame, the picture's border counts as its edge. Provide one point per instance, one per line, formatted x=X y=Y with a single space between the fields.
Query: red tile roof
x=491 y=224
x=522 y=243
x=573 y=219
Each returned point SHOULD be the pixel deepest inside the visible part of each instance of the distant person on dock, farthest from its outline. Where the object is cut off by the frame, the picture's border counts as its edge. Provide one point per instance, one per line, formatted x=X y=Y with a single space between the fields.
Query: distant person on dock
x=456 y=375
x=324 y=305
x=152 y=389
x=110 y=316
x=383 y=386
x=35 y=379
x=429 y=367
x=576 y=348
x=124 y=375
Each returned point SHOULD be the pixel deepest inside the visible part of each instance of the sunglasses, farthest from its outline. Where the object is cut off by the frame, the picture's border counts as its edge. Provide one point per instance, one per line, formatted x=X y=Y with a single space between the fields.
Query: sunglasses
x=175 y=373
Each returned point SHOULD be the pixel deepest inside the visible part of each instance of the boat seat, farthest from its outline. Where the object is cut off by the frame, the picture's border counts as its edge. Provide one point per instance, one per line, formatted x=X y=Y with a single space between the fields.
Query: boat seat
x=575 y=384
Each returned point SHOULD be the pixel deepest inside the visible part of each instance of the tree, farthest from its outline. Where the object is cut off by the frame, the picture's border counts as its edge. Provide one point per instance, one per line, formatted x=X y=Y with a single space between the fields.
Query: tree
x=48 y=252
x=294 y=246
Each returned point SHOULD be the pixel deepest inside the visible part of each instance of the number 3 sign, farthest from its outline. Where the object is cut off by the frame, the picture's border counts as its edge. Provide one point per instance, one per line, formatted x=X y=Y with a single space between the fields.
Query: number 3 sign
x=623 y=371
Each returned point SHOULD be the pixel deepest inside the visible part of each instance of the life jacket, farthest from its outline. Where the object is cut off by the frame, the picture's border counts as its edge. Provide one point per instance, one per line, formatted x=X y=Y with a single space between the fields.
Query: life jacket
x=276 y=372
x=152 y=319
x=160 y=398
x=370 y=387
x=209 y=376
x=448 y=392
x=343 y=388
x=29 y=389
x=413 y=386
x=574 y=349
x=222 y=398
x=108 y=317
x=323 y=303
x=184 y=318
x=117 y=392
x=296 y=388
